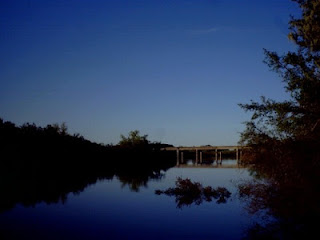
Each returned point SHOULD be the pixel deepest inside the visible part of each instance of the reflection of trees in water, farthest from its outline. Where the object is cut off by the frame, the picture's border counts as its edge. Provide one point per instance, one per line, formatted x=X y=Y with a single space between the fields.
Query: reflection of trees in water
x=135 y=180
x=134 y=184
x=293 y=203
x=187 y=193
x=29 y=188
x=286 y=189
x=46 y=164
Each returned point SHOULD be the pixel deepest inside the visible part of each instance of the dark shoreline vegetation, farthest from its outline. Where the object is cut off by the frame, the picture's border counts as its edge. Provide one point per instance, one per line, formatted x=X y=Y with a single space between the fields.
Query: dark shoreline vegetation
x=284 y=138
x=46 y=164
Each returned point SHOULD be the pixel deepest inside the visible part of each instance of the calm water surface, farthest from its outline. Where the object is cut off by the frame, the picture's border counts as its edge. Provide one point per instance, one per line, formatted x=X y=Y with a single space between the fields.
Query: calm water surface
x=111 y=209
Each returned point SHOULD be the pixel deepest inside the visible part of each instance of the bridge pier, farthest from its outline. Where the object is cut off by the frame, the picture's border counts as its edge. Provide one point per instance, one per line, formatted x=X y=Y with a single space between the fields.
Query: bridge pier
x=216 y=155
x=200 y=157
x=196 y=156
x=237 y=154
x=178 y=160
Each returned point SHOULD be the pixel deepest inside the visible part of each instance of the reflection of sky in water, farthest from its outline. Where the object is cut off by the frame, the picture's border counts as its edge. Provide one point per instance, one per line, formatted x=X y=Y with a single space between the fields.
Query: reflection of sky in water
x=225 y=162
x=107 y=211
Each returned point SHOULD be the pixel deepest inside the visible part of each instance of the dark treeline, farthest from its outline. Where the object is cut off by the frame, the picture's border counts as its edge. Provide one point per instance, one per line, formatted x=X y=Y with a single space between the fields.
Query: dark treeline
x=284 y=137
x=45 y=164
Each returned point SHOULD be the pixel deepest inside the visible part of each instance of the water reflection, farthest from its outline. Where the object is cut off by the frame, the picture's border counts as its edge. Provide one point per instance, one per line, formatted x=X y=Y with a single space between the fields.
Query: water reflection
x=105 y=210
x=137 y=179
x=291 y=203
x=52 y=185
x=226 y=163
x=187 y=193
x=288 y=205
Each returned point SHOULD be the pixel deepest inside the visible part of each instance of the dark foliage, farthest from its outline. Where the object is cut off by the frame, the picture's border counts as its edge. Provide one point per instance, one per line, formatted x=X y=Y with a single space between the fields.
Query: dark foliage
x=299 y=116
x=46 y=164
x=284 y=137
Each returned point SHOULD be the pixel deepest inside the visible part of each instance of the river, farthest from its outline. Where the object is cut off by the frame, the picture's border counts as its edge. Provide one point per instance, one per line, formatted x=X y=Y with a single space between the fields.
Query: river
x=119 y=209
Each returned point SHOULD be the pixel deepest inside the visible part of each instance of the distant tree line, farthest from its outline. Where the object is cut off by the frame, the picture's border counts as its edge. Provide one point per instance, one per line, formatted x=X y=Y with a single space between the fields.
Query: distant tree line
x=46 y=163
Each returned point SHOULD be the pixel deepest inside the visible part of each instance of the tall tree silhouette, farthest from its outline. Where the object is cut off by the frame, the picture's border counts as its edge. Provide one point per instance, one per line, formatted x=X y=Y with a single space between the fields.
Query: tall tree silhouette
x=298 y=117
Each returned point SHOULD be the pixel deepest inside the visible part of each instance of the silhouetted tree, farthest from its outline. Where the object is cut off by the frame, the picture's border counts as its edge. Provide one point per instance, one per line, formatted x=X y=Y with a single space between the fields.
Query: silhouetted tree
x=298 y=117
x=285 y=137
x=133 y=140
x=63 y=129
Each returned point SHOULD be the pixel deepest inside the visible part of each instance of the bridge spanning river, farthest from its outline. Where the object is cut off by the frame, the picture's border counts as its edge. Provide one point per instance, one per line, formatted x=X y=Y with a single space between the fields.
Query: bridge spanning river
x=218 y=150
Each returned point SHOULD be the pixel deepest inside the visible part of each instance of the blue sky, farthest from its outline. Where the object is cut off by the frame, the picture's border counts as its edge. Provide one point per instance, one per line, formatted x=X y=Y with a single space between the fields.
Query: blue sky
x=175 y=70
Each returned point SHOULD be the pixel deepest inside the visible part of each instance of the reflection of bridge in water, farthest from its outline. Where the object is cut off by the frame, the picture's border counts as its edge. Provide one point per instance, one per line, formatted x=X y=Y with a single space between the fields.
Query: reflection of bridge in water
x=218 y=150
x=206 y=165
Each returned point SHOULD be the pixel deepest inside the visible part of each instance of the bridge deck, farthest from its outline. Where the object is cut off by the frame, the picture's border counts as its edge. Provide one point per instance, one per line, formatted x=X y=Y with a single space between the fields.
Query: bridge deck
x=202 y=148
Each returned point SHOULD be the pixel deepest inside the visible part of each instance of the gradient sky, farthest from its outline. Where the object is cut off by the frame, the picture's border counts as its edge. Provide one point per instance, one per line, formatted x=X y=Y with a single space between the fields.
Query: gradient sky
x=175 y=70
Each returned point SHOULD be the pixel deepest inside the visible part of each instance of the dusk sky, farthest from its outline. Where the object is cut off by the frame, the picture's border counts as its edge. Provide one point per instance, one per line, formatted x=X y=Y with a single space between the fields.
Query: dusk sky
x=175 y=70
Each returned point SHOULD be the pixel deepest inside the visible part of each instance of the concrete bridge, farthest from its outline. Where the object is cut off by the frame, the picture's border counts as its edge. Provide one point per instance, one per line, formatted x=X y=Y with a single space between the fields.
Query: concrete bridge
x=218 y=150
